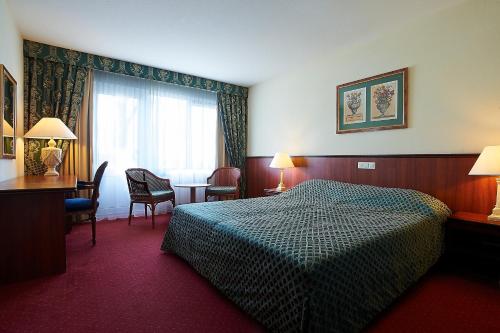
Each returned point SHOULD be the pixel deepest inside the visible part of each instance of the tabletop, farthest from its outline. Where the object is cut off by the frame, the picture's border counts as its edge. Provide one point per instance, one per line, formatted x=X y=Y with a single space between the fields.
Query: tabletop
x=39 y=183
x=473 y=218
x=193 y=185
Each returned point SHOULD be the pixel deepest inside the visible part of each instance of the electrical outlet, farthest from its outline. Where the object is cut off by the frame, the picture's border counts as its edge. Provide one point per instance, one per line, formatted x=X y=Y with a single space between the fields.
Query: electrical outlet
x=366 y=165
x=363 y=165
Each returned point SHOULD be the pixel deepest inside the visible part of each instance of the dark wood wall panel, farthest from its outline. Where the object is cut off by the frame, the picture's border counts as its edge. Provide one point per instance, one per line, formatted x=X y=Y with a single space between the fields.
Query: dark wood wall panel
x=442 y=176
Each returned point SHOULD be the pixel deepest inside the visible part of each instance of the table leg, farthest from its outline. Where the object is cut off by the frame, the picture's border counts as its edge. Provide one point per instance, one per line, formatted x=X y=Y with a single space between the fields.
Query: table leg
x=193 y=194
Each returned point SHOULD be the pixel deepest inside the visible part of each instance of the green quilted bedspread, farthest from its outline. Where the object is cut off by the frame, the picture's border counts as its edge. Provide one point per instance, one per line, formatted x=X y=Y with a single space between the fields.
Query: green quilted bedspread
x=324 y=256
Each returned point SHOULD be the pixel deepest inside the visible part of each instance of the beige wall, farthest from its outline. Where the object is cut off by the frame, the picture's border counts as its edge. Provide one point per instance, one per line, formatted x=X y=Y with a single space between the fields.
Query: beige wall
x=454 y=90
x=11 y=55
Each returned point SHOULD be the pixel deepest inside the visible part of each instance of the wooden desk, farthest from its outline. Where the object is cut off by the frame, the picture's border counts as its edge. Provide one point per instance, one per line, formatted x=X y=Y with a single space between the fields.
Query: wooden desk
x=32 y=222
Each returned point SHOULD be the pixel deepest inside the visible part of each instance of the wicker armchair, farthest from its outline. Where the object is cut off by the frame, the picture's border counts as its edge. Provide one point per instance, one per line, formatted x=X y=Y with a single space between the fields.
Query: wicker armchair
x=147 y=188
x=85 y=206
x=225 y=184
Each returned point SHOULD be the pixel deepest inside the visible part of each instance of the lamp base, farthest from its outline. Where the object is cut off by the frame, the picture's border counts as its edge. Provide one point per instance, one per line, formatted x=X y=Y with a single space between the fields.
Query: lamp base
x=280 y=188
x=51 y=172
x=495 y=215
x=51 y=157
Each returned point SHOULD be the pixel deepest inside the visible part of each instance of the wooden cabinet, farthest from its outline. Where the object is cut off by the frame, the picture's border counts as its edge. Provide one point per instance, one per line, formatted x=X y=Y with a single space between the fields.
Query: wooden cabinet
x=32 y=226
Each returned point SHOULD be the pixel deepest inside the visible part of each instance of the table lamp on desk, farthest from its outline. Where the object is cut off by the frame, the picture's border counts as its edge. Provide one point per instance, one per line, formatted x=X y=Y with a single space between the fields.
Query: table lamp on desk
x=50 y=128
x=488 y=164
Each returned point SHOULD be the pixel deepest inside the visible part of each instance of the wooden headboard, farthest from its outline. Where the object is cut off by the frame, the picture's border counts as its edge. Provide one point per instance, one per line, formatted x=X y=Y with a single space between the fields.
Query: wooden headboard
x=442 y=176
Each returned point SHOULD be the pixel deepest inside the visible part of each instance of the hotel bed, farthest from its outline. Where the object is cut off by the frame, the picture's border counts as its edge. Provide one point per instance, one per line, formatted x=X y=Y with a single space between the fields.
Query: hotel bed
x=323 y=256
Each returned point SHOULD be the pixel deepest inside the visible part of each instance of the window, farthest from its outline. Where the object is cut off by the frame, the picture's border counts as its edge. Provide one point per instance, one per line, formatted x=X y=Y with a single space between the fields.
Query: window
x=168 y=129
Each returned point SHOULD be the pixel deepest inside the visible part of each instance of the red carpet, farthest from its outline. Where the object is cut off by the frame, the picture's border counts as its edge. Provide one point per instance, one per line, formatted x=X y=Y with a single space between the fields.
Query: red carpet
x=126 y=284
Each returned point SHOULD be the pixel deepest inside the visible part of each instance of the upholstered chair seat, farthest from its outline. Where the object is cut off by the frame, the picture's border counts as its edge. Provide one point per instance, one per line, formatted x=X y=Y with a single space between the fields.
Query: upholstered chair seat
x=76 y=204
x=221 y=190
x=160 y=194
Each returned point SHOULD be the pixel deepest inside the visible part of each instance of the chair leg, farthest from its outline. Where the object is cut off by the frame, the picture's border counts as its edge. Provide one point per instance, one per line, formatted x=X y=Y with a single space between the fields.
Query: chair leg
x=93 y=229
x=153 y=214
x=146 y=211
x=130 y=212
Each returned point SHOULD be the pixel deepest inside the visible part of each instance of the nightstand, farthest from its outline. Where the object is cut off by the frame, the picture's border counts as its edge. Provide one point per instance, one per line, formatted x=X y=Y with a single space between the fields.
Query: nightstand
x=473 y=241
x=271 y=191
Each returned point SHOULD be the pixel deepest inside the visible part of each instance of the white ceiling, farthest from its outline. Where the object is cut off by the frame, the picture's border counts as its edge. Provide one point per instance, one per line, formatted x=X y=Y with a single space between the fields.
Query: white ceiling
x=237 y=41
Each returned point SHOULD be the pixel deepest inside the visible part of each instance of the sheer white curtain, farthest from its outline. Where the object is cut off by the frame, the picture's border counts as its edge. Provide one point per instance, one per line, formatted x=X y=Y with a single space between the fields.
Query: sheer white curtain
x=168 y=129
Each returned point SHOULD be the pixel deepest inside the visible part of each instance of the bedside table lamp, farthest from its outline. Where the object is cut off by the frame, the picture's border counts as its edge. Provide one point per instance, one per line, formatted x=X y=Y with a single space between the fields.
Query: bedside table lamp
x=488 y=164
x=50 y=128
x=281 y=161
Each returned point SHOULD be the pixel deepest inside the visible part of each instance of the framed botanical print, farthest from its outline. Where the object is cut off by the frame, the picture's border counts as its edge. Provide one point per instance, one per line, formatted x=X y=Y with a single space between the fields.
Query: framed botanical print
x=376 y=103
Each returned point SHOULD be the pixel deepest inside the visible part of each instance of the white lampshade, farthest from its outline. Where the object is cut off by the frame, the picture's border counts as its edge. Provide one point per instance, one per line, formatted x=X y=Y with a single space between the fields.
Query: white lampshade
x=488 y=163
x=50 y=128
x=7 y=129
x=281 y=161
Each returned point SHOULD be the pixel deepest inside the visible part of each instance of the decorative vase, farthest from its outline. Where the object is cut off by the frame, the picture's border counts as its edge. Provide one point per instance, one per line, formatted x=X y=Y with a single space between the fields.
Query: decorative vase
x=382 y=108
x=354 y=106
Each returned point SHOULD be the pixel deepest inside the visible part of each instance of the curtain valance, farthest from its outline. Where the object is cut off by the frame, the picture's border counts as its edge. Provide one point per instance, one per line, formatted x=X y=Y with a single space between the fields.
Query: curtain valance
x=90 y=61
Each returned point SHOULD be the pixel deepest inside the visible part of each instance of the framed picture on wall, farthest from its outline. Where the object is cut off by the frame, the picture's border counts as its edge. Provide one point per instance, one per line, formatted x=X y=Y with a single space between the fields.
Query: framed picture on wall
x=376 y=103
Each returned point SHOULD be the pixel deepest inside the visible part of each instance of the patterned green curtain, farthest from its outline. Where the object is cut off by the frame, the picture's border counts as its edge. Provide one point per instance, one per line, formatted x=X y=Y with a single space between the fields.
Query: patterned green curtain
x=51 y=89
x=233 y=111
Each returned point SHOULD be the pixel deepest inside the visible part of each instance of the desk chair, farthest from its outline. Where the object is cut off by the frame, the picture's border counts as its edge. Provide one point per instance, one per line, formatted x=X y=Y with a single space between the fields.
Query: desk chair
x=85 y=206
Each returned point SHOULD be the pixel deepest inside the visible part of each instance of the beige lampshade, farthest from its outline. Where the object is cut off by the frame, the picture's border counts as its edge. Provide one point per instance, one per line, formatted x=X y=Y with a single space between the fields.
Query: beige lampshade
x=50 y=128
x=281 y=161
x=488 y=163
x=7 y=129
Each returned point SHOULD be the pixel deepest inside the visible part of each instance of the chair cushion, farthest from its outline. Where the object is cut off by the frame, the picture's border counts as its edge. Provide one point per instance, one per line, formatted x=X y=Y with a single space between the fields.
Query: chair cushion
x=77 y=204
x=159 y=194
x=220 y=190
